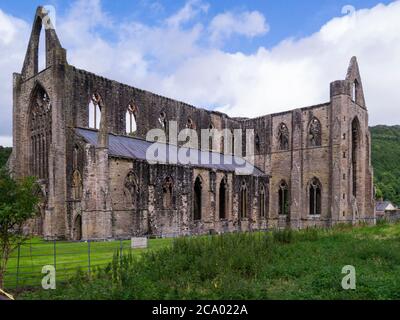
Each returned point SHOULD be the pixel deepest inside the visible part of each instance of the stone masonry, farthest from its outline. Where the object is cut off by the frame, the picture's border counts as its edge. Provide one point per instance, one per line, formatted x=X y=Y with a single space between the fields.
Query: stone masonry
x=315 y=162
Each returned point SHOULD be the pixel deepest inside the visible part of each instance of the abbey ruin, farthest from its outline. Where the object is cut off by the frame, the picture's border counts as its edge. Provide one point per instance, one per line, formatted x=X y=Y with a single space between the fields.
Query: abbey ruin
x=84 y=138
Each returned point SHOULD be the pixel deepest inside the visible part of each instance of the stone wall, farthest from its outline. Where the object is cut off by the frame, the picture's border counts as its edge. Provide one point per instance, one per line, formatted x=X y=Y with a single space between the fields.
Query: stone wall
x=105 y=210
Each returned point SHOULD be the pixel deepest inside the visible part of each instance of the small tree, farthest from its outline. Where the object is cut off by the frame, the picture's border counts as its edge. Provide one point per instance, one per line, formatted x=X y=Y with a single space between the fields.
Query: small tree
x=18 y=203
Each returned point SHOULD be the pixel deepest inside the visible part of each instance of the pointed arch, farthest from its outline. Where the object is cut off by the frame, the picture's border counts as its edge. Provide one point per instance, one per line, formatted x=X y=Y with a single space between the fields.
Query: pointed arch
x=40 y=132
x=223 y=190
x=94 y=110
x=31 y=63
x=243 y=200
x=315 y=197
x=315 y=133
x=257 y=143
x=42 y=63
x=354 y=90
x=211 y=137
x=283 y=137
x=190 y=124
x=198 y=201
x=163 y=120
x=355 y=83
x=131 y=118
x=262 y=202
x=283 y=195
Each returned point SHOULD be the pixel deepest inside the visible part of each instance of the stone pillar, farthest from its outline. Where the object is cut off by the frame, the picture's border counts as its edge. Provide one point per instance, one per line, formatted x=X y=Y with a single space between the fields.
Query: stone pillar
x=296 y=172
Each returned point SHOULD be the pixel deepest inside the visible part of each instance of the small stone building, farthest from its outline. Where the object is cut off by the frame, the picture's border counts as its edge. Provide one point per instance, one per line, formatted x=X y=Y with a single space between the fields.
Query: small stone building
x=84 y=138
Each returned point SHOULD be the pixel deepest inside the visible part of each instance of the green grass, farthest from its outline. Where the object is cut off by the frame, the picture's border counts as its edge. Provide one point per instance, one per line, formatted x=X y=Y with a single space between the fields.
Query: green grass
x=277 y=265
x=70 y=256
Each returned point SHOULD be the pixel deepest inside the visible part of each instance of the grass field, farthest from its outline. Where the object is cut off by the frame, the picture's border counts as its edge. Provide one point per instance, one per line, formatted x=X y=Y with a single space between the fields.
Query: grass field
x=276 y=265
x=67 y=256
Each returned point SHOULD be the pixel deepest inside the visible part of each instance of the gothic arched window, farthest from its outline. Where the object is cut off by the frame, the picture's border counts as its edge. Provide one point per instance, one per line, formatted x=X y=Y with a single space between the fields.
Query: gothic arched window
x=162 y=119
x=243 y=200
x=315 y=133
x=222 y=199
x=198 y=189
x=210 y=137
x=284 y=208
x=40 y=124
x=283 y=137
x=354 y=90
x=131 y=189
x=95 y=111
x=190 y=124
x=257 y=143
x=315 y=197
x=168 y=188
x=130 y=118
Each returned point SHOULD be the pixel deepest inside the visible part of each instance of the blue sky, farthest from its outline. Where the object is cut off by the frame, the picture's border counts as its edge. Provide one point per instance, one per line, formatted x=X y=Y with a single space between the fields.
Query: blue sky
x=288 y=18
x=245 y=58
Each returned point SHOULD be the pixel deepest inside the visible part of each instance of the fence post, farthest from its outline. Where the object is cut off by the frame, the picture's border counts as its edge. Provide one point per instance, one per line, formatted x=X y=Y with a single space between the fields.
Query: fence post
x=19 y=255
x=89 y=264
x=121 y=250
x=55 y=254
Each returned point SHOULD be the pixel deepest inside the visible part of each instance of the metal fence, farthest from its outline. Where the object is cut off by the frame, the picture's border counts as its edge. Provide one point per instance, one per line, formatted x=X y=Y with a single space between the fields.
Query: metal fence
x=390 y=216
x=26 y=264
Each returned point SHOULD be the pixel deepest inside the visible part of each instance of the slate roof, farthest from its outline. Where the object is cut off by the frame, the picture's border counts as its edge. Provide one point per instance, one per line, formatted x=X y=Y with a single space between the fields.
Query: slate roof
x=133 y=148
x=382 y=205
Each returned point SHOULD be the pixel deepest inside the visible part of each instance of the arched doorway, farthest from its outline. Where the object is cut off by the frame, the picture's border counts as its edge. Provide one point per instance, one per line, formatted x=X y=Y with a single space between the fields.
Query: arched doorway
x=222 y=199
x=198 y=188
x=78 y=228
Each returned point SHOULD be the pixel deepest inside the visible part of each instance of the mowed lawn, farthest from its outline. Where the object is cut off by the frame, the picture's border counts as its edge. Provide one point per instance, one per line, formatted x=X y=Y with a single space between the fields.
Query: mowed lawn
x=276 y=265
x=68 y=257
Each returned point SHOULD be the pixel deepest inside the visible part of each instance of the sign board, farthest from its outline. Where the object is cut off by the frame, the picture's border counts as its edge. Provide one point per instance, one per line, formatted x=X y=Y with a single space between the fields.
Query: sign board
x=139 y=243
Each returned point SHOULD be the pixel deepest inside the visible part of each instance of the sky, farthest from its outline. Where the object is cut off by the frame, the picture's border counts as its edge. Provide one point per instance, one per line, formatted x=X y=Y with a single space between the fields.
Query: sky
x=244 y=58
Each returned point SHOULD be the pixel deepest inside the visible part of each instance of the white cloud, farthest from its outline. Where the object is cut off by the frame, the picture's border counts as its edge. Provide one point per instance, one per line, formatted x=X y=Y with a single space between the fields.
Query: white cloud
x=249 y=24
x=297 y=72
x=191 y=9
x=6 y=141
x=13 y=39
x=175 y=58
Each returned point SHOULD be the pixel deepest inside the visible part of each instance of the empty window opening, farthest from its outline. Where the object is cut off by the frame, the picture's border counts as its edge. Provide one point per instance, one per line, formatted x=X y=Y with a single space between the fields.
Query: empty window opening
x=243 y=201
x=95 y=111
x=198 y=189
x=315 y=197
x=42 y=51
x=284 y=198
x=315 y=133
x=262 y=202
x=283 y=137
x=222 y=199
x=131 y=114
